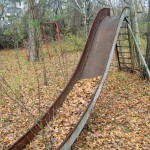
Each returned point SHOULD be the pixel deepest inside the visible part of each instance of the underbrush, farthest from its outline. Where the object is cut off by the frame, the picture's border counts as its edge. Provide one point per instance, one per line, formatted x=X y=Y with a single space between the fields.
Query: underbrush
x=73 y=42
x=22 y=89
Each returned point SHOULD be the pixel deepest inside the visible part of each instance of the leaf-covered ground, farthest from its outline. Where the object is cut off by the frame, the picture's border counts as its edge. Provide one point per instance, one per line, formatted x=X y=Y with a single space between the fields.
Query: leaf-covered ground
x=67 y=116
x=20 y=102
x=120 y=120
x=121 y=117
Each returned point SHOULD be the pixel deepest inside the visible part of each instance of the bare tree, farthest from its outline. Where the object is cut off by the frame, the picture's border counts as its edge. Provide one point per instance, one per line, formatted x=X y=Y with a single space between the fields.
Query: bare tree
x=35 y=18
x=134 y=21
x=135 y=26
x=1 y=10
x=86 y=8
x=32 y=35
x=148 y=40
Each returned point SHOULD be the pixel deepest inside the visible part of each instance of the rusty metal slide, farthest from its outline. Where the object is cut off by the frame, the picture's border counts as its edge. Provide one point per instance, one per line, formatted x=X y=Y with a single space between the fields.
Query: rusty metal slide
x=95 y=61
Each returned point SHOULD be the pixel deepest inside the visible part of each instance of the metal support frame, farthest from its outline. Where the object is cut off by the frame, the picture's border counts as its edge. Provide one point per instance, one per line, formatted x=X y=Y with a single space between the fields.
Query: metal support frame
x=131 y=51
x=117 y=58
x=139 y=51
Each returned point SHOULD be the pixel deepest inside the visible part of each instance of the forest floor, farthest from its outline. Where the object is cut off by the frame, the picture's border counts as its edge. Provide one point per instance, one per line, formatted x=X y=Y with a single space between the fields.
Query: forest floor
x=22 y=90
x=120 y=119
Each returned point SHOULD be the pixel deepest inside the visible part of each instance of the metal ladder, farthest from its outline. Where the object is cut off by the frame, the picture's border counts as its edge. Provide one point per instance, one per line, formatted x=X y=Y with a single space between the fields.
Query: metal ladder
x=123 y=50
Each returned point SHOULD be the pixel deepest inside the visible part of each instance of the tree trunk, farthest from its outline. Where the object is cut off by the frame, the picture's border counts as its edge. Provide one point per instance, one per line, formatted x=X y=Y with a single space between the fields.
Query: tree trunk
x=148 y=40
x=32 y=34
x=85 y=19
x=134 y=25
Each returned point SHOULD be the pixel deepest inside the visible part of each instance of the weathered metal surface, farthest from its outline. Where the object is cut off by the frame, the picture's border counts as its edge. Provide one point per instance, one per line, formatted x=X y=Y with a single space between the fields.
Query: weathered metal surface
x=71 y=137
x=30 y=134
x=95 y=60
x=101 y=47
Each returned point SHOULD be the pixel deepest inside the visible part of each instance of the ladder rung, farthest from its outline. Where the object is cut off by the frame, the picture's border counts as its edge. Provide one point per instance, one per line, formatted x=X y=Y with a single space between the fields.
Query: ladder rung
x=126 y=68
x=122 y=46
x=122 y=39
x=125 y=58
x=125 y=52
x=123 y=33
x=124 y=27
x=125 y=63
